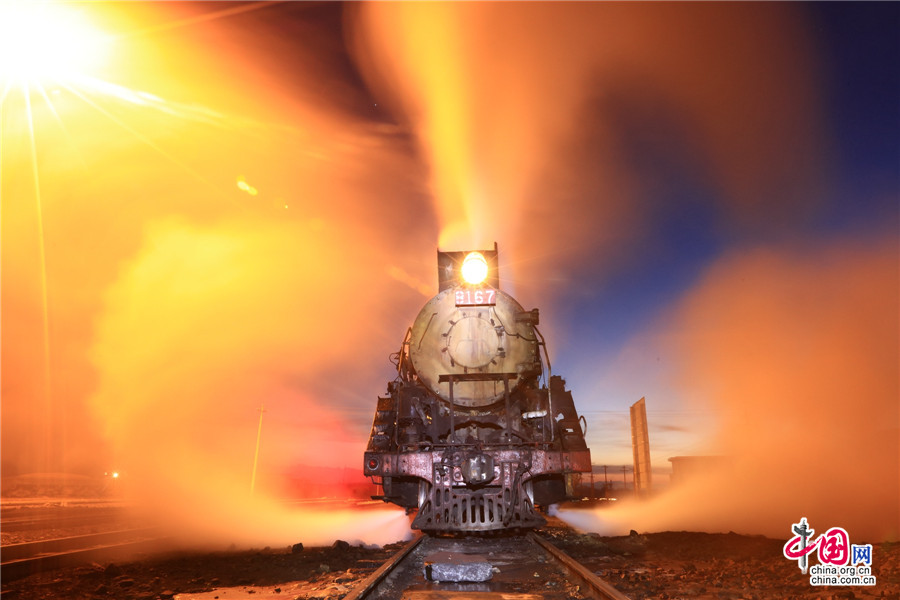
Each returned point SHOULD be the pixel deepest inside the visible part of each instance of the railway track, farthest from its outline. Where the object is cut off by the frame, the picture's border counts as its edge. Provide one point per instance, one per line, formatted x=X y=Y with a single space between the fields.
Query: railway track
x=56 y=521
x=522 y=567
x=21 y=560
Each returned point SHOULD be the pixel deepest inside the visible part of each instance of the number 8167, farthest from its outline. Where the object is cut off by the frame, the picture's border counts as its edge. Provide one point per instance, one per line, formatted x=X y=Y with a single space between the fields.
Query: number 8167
x=476 y=297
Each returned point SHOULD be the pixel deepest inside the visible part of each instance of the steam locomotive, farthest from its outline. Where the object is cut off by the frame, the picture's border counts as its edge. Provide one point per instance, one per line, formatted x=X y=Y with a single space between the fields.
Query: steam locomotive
x=475 y=432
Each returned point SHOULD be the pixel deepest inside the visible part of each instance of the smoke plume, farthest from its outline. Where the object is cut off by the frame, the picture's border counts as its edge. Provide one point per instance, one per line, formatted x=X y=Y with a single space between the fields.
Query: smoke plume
x=549 y=127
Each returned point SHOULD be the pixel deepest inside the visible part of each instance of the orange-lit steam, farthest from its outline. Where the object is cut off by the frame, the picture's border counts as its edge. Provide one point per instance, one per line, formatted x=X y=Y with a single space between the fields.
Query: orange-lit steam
x=796 y=351
x=480 y=120
x=176 y=302
x=206 y=324
x=526 y=114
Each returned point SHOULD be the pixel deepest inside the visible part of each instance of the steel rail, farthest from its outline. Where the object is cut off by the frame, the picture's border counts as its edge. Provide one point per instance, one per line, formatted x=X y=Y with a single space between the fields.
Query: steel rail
x=59 y=522
x=364 y=587
x=599 y=588
x=590 y=584
x=21 y=560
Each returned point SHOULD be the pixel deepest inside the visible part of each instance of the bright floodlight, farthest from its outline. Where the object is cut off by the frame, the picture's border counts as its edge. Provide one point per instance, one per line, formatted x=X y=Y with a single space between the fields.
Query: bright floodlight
x=40 y=40
x=474 y=268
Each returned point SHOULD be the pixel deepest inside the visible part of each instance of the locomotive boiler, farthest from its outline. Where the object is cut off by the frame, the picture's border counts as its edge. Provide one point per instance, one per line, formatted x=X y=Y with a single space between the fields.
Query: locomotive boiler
x=475 y=432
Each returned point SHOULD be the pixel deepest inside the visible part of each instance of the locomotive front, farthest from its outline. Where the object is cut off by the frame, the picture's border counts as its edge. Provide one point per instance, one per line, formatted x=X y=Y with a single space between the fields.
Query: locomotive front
x=474 y=432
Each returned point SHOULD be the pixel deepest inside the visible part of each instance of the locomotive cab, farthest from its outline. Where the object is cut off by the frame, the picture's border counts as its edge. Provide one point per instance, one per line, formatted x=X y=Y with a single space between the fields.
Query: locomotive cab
x=474 y=432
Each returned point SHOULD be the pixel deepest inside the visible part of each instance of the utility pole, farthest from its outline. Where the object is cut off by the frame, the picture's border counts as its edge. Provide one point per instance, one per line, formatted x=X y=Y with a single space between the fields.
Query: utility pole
x=605 y=484
x=262 y=409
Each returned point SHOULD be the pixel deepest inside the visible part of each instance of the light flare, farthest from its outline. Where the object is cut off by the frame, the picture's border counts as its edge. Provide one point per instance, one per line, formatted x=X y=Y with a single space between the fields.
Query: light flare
x=474 y=268
x=246 y=187
x=147 y=140
x=60 y=121
x=42 y=258
x=41 y=41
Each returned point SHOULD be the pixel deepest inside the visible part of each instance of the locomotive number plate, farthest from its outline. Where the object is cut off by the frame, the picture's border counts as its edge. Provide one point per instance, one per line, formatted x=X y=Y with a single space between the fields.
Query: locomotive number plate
x=476 y=297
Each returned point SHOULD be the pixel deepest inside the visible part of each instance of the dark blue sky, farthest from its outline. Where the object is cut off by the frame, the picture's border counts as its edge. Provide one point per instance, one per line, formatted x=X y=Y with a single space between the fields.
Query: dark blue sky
x=859 y=64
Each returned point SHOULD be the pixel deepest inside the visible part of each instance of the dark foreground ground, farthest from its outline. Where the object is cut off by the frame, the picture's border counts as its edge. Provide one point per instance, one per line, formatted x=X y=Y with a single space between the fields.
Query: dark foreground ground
x=665 y=565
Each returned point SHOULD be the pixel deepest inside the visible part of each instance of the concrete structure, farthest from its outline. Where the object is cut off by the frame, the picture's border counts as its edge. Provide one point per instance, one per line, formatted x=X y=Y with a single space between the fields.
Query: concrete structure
x=640 y=443
x=454 y=566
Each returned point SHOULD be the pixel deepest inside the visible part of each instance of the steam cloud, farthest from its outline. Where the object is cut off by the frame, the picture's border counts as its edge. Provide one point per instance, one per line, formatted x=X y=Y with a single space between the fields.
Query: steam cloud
x=537 y=120
x=549 y=129
x=207 y=323
x=178 y=302
x=560 y=130
x=796 y=352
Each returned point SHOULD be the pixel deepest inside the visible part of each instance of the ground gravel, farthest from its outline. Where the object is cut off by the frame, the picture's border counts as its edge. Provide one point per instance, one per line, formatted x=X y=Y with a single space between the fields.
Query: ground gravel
x=665 y=566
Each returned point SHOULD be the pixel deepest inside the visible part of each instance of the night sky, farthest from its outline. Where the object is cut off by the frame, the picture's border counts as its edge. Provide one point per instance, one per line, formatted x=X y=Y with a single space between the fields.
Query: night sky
x=235 y=205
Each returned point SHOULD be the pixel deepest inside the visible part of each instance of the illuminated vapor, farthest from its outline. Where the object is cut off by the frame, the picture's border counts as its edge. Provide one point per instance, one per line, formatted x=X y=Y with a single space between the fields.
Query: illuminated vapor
x=395 y=272
x=42 y=260
x=213 y=320
x=179 y=300
x=40 y=42
x=796 y=352
x=529 y=117
x=56 y=45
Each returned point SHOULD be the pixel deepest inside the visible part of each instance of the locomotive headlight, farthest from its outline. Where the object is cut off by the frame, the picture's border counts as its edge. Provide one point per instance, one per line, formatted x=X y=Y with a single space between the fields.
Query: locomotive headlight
x=474 y=268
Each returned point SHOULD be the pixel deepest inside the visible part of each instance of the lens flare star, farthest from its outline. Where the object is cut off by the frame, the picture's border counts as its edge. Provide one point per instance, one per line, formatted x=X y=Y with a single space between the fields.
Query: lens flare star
x=45 y=41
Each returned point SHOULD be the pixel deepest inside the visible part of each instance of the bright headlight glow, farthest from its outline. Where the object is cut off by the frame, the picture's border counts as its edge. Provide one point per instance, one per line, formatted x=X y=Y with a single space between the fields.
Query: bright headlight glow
x=474 y=268
x=45 y=40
